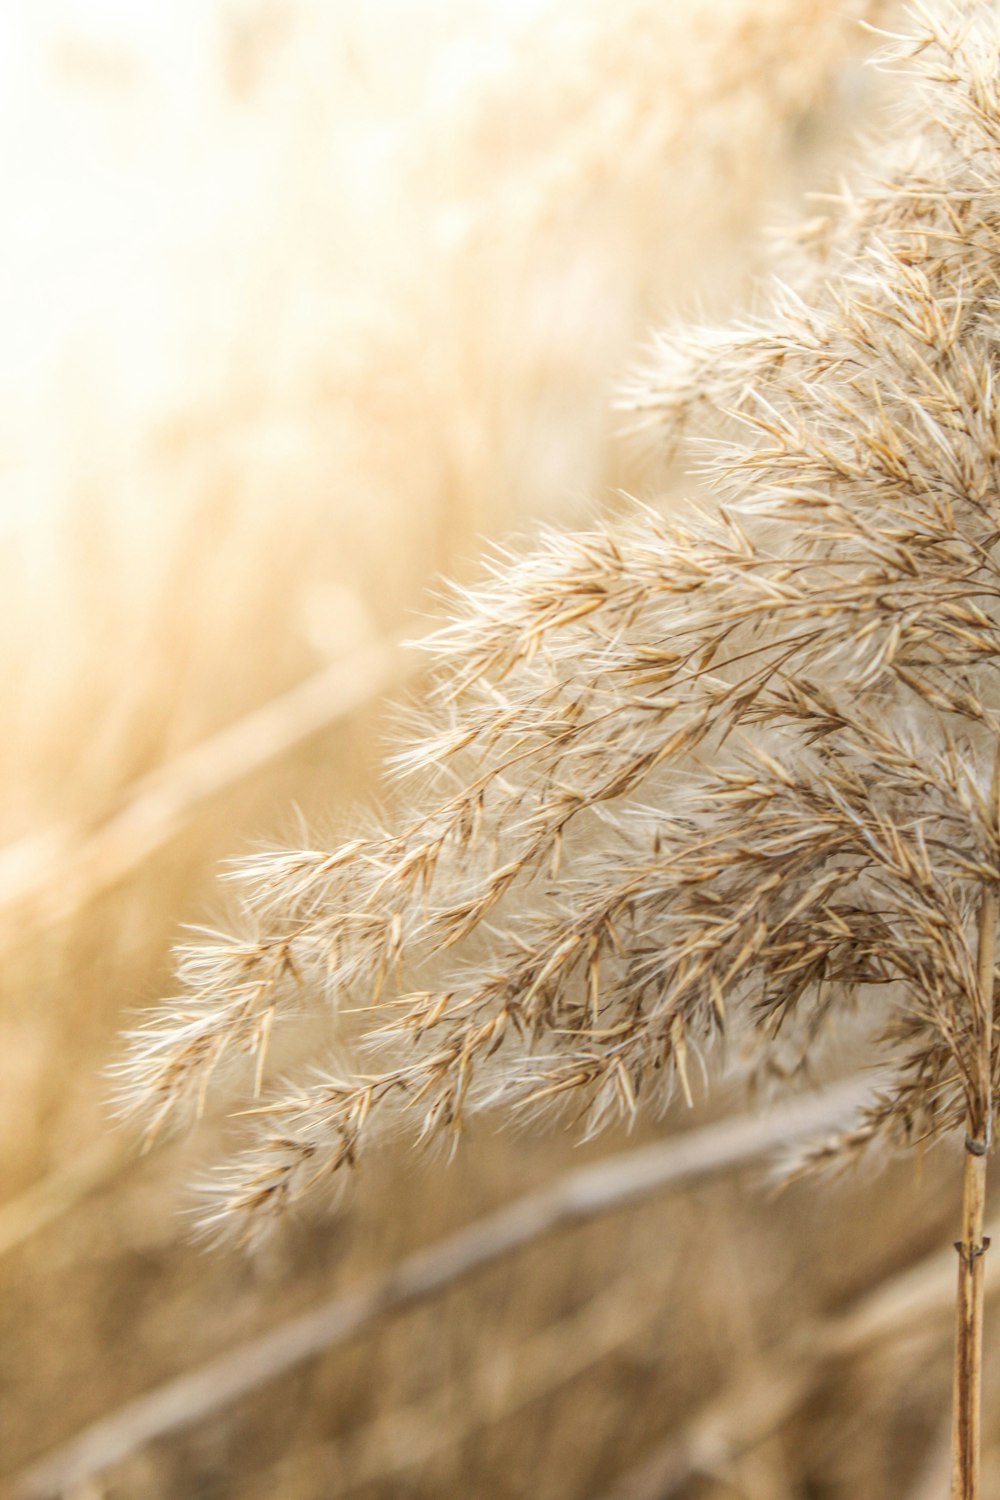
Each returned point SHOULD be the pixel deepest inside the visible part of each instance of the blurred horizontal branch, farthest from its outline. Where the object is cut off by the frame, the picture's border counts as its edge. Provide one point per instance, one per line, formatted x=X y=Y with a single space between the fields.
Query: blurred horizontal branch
x=50 y=875
x=492 y=1391
x=719 y=1434
x=574 y=1198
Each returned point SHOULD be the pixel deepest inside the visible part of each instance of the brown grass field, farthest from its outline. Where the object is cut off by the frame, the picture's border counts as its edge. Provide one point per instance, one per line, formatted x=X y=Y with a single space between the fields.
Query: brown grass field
x=305 y=301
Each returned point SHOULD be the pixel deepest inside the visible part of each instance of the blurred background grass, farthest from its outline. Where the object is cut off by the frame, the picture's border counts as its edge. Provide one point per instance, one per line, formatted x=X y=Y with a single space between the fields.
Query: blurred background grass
x=301 y=302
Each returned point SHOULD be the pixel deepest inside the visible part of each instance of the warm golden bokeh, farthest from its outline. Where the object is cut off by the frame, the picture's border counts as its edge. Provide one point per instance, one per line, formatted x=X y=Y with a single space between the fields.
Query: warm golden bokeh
x=301 y=302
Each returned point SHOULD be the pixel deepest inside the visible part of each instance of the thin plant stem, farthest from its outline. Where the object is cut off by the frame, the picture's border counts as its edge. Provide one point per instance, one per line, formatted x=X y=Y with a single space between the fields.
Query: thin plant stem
x=969 y=1336
x=967 y=1406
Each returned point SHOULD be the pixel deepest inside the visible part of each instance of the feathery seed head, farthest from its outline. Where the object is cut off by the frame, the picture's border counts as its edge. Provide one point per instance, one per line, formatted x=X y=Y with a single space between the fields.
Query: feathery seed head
x=732 y=773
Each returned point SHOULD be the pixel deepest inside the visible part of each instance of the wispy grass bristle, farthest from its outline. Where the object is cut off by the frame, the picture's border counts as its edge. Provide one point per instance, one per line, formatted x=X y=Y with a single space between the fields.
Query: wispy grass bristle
x=729 y=773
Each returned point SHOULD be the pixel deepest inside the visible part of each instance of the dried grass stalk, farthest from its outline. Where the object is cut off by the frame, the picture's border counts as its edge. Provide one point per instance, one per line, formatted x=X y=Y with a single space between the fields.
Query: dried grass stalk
x=728 y=776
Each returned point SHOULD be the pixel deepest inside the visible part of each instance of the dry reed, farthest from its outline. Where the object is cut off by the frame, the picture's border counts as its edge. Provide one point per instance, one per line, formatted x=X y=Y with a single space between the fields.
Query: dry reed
x=730 y=773
x=732 y=776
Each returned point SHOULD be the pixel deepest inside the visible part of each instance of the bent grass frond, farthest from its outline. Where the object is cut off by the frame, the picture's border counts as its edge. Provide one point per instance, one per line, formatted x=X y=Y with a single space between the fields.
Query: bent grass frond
x=733 y=775
x=729 y=774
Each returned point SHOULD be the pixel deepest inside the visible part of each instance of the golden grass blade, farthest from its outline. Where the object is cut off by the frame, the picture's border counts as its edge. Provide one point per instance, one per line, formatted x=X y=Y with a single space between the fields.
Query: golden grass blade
x=47 y=1200
x=49 y=877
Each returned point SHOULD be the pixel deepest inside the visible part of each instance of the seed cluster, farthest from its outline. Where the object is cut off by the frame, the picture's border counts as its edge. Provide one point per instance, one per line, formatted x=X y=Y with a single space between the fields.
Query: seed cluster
x=731 y=775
